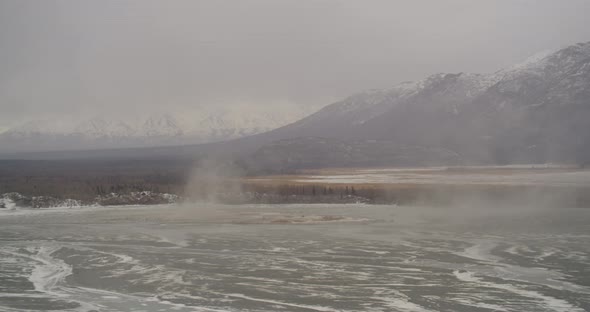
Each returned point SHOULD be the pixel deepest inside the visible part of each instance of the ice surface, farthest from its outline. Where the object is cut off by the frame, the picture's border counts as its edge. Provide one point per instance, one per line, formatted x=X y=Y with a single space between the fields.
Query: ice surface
x=166 y=259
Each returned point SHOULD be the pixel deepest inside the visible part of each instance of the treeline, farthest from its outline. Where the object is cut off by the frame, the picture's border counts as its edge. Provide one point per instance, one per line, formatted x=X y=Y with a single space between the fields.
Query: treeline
x=335 y=193
x=416 y=194
x=89 y=187
x=87 y=180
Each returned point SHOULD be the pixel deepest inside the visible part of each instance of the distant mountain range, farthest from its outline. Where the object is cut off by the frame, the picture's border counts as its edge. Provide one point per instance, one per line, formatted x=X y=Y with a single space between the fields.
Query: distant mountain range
x=534 y=112
x=537 y=111
x=154 y=130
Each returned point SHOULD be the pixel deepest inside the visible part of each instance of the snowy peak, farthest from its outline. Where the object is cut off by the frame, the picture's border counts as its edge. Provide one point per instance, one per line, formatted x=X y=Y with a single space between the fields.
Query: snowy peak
x=570 y=56
x=39 y=127
x=437 y=88
x=235 y=122
x=452 y=91
x=163 y=125
x=439 y=91
x=548 y=64
x=99 y=127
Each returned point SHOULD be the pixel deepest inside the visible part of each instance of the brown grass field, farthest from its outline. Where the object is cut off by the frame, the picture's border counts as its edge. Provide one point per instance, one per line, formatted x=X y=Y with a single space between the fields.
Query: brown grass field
x=402 y=192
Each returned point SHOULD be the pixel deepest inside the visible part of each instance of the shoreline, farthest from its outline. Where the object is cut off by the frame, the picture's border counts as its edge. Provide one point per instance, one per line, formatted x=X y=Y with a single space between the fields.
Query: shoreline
x=444 y=186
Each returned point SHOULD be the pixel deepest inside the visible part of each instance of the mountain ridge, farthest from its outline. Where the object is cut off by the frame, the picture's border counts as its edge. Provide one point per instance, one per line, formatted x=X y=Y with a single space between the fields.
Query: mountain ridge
x=535 y=111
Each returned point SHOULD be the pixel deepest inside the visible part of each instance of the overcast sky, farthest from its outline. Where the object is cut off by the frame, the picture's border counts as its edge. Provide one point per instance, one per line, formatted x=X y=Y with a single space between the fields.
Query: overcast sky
x=118 y=57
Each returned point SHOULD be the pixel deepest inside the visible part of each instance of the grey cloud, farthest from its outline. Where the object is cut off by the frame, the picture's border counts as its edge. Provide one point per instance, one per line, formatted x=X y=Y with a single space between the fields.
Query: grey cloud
x=120 y=57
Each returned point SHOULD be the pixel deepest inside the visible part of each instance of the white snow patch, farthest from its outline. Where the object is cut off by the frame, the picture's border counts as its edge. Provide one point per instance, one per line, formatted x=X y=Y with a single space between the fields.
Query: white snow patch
x=49 y=272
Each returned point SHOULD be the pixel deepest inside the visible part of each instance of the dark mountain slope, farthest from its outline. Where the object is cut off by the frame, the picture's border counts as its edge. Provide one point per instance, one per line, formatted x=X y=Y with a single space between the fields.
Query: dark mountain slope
x=537 y=111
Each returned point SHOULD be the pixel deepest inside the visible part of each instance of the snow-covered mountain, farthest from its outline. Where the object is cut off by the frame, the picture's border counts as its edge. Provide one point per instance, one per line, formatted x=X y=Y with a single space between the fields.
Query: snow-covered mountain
x=100 y=127
x=153 y=130
x=535 y=111
x=163 y=125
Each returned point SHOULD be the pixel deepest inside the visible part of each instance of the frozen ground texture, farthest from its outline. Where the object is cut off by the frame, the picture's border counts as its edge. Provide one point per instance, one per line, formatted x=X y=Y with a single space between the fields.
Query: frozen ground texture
x=330 y=258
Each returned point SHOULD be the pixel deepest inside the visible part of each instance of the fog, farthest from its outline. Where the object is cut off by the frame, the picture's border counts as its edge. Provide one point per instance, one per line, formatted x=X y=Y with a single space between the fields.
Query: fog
x=69 y=59
x=212 y=180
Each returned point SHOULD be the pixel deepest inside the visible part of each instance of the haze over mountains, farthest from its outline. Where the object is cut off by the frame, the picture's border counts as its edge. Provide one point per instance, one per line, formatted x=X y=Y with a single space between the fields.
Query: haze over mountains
x=537 y=111
x=165 y=129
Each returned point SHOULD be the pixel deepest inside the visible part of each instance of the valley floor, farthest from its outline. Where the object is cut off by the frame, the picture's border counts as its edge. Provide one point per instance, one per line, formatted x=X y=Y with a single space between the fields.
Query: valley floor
x=54 y=185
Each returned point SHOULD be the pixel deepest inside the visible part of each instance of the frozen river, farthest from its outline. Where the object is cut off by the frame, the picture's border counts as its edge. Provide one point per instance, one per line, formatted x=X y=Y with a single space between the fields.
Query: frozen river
x=295 y=258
